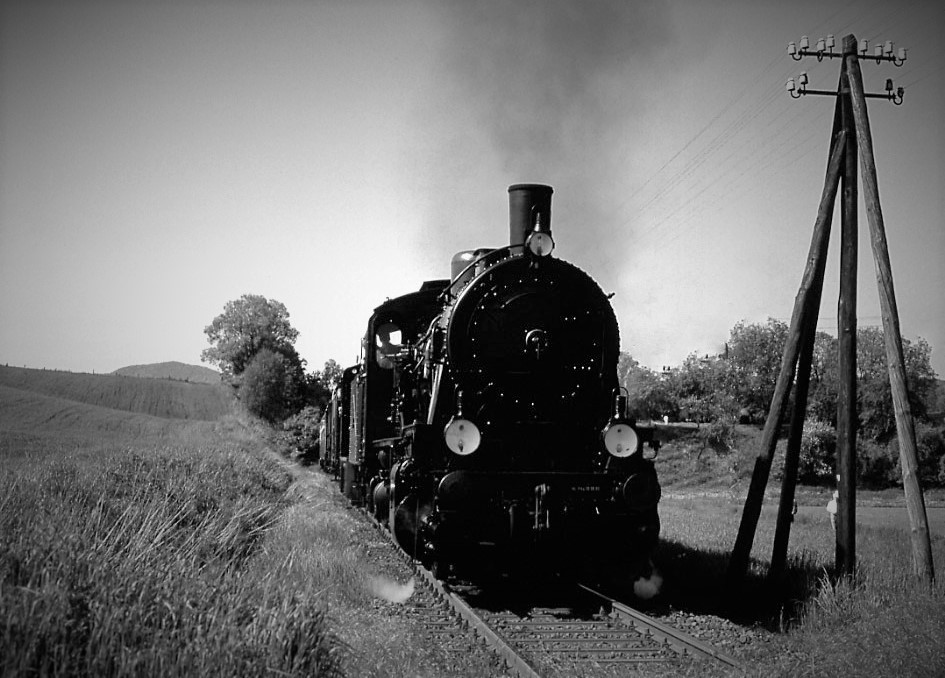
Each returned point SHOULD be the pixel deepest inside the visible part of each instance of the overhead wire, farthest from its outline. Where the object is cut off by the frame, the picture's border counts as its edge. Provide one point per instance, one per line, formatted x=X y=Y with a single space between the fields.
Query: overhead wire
x=757 y=136
x=733 y=167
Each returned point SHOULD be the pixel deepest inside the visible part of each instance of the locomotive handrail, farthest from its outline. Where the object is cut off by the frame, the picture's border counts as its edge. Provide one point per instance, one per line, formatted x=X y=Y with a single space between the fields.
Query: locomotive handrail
x=429 y=331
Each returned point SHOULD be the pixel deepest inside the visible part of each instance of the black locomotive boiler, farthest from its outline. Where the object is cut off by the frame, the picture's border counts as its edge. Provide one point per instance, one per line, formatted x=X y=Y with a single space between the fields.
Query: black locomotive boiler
x=484 y=423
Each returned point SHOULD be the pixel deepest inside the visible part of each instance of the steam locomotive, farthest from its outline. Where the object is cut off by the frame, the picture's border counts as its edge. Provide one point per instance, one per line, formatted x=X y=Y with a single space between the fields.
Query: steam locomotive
x=484 y=424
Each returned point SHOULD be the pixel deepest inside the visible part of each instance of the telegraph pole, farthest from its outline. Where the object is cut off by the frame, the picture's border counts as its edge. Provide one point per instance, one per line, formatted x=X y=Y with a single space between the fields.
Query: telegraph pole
x=895 y=360
x=850 y=135
x=846 y=334
x=814 y=281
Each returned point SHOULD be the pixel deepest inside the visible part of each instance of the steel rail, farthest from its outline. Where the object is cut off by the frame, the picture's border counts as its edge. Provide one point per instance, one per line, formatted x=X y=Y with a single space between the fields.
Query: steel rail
x=681 y=642
x=512 y=659
x=475 y=622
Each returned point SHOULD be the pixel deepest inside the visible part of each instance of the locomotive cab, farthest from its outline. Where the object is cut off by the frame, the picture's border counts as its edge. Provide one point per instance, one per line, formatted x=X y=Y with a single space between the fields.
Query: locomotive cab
x=382 y=395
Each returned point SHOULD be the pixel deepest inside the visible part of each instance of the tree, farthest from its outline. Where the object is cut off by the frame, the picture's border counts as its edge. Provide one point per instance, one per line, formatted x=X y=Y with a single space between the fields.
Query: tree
x=271 y=386
x=331 y=373
x=652 y=397
x=874 y=395
x=754 y=359
x=246 y=326
x=824 y=380
x=702 y=389
x=319 y=384
x=875 y=412
x=650 y=394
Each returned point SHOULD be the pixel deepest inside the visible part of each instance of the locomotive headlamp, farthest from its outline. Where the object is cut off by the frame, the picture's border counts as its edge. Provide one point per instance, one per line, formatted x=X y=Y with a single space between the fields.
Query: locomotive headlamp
x=620 y=439
x=462 y=436
x=540 y=244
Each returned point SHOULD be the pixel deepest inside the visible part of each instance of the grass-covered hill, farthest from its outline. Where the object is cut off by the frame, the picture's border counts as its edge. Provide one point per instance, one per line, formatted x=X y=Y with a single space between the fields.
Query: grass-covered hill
x=25 y=415
x=162 y=398
x=131 y=530
x=197 y=374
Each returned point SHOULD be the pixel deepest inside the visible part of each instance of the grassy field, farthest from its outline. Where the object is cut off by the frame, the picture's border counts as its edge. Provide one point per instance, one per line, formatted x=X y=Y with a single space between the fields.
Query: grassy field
x=128 y=544
x=883 y=622
x=133 y=544
x=140 y=545
x=197 y=374
x=157 y=397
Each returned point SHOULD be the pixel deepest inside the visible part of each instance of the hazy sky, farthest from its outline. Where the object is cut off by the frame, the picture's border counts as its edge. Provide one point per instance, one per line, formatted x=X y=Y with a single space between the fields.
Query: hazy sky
x=160 y=158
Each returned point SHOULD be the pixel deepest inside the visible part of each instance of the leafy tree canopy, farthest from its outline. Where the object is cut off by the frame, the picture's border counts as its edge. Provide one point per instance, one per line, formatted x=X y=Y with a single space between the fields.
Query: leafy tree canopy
x=331 y=373
x=321 y=383
x=754 y=361
x=873 y=392
x=246 y=326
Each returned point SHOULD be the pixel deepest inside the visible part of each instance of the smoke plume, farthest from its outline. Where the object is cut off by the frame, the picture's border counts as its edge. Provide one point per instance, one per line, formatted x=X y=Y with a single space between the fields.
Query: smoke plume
x=552 y=89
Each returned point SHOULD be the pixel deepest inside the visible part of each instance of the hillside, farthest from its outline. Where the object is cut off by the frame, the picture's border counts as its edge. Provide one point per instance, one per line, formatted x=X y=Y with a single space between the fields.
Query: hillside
x=155 y=397
x=27 y=418
x=196 y=374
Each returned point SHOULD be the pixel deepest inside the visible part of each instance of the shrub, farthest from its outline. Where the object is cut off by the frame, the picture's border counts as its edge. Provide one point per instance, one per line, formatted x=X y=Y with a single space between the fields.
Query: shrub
x=300 y=432
x=718 y=434
x=878 y=464
x=270 y=386
x=818 y=451
x=930 y=445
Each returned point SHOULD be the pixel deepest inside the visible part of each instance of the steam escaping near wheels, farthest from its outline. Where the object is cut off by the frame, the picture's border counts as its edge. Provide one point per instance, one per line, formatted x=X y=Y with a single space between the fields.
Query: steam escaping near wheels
x=645 y=588
x=391 y=591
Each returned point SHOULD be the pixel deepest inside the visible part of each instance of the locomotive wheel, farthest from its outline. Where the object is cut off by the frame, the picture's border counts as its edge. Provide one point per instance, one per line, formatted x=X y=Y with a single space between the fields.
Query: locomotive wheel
x=403 y=524
x=380 y=500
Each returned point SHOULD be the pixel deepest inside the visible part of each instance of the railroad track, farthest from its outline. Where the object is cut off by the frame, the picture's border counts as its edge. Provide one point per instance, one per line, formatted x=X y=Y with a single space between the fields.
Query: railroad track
x=587 y=628
x=581 y=628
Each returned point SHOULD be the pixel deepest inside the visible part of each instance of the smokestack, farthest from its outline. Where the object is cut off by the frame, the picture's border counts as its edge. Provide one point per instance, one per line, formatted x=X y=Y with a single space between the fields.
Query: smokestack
x=528 y=203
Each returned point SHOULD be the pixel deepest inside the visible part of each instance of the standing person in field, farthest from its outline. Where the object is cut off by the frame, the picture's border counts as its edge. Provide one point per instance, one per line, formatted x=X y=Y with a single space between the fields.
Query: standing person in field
x=832 y=507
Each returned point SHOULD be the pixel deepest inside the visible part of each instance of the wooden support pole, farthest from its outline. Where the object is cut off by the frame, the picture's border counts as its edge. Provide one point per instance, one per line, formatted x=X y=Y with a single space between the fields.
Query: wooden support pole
x=846 y=335
x=817 y=262
x=738 y=564
x=905 y=426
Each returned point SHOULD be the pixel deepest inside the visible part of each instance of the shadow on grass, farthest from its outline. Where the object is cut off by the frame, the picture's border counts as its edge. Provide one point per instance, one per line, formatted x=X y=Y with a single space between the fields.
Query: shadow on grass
x=694 y=581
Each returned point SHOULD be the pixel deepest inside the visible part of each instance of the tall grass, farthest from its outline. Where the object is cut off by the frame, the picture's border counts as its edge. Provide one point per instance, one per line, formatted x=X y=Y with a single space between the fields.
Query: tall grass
x=884 y=621
x=136 y=561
